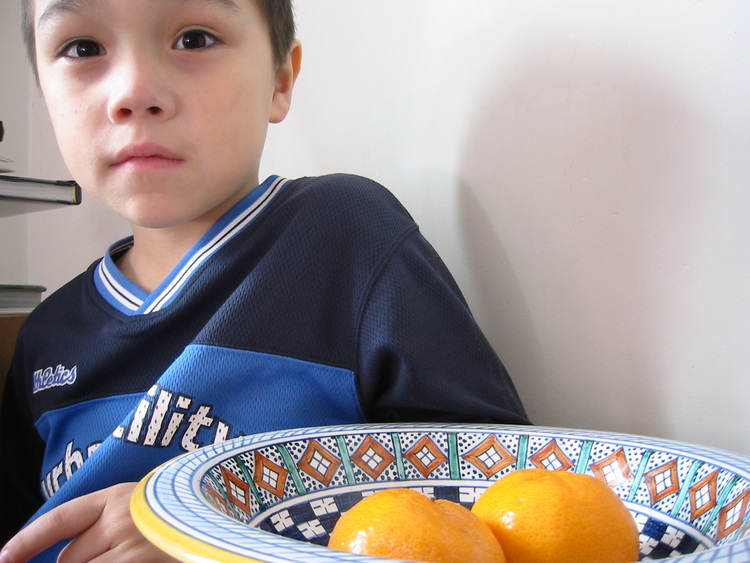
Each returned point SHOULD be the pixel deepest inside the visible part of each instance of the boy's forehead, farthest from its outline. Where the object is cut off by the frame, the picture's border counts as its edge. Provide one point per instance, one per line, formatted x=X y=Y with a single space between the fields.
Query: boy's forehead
x=49 y=7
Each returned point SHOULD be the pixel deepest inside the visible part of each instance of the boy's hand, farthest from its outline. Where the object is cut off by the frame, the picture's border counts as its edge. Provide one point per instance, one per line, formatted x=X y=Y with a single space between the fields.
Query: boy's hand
x=101 y=525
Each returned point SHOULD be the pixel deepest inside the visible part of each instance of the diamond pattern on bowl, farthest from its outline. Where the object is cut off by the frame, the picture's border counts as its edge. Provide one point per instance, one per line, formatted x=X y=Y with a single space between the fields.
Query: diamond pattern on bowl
x=276 y=496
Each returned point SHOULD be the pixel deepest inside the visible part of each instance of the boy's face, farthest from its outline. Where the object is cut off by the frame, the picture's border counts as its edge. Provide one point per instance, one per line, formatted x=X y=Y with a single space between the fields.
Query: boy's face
x=161 y=107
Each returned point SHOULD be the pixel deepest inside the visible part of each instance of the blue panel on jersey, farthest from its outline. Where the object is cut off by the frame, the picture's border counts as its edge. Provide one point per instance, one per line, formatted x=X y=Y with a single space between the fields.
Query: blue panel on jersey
x=71 y=439
x=208 y=394
x=264 y=391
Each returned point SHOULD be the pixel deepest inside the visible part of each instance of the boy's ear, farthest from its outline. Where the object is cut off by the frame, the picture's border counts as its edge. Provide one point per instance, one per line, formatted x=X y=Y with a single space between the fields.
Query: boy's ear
x=286 y=75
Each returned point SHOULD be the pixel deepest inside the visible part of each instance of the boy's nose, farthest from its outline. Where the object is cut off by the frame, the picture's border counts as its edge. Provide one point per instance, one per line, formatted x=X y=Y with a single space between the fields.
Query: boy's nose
x=140 y=91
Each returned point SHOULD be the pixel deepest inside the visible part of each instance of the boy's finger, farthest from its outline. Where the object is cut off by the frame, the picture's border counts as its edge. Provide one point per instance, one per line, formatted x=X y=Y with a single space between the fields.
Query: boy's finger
x=65 y=521
x=87 y=546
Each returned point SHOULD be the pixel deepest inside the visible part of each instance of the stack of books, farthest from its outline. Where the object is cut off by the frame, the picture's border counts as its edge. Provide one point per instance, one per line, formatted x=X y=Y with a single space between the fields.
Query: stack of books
x=20 y=195
x=19 y=299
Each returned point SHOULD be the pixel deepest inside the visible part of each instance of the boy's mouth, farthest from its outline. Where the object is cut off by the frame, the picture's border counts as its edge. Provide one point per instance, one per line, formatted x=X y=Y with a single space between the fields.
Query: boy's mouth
x=145 y=156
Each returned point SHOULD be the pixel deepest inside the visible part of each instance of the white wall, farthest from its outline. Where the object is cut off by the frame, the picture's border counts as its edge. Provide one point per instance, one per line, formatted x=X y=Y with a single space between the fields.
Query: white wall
x=582 y=167
x=14 y=115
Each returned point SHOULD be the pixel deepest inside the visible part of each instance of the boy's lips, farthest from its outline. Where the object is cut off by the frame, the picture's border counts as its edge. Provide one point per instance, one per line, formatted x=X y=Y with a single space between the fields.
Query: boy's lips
x=145 y=156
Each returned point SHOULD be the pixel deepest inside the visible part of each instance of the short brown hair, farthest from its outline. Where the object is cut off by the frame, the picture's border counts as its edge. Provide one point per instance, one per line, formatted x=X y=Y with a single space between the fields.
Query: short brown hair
x=278 y=13
x=280 y=17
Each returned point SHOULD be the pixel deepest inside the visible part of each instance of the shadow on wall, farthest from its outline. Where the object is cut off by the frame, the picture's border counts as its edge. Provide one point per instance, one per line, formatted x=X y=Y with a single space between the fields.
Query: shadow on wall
x=573 y=198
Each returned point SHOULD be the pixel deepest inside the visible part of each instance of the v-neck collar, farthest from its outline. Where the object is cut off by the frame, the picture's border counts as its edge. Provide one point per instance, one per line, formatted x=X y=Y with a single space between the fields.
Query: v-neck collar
x=125 y=296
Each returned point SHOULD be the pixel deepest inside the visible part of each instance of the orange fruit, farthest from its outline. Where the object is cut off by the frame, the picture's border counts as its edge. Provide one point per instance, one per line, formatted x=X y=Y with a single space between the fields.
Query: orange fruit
x=405 y=524
x=543 y=516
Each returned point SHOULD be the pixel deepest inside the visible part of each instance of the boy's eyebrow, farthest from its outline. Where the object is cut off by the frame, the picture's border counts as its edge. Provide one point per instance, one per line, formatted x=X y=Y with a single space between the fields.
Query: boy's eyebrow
x=59 y=6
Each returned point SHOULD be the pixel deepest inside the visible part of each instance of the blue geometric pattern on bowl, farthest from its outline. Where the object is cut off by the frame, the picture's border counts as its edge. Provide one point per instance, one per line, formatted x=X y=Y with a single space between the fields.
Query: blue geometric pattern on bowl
x=276 y=496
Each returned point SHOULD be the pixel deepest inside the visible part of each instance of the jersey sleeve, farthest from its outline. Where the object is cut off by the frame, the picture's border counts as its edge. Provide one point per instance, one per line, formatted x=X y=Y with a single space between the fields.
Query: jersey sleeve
x=421 y=355
x=21 y=453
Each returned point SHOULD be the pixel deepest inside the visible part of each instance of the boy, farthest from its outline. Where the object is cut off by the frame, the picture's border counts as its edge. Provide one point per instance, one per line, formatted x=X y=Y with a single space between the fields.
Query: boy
x=237 y=306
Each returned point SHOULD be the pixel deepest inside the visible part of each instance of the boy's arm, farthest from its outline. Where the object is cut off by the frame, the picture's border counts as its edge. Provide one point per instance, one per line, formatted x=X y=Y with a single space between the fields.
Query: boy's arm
x=422 y=357
x=21 y=454
x=100 y=524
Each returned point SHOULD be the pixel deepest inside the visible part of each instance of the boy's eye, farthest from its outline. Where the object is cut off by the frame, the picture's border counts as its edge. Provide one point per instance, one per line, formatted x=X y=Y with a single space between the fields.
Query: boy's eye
x=195 y=39
x=82 y=48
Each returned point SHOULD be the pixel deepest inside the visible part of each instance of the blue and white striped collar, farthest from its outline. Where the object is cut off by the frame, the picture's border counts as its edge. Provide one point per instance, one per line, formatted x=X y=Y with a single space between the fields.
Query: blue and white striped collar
x=130 y=299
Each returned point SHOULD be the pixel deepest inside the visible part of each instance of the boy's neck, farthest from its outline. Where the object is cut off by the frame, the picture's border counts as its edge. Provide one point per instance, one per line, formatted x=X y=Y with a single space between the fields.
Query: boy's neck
x=156 y=251
x=154 y=254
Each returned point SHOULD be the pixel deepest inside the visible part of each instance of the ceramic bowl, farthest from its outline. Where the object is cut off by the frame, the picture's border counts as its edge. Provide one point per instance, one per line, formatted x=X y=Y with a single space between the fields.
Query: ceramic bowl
x=275 y=497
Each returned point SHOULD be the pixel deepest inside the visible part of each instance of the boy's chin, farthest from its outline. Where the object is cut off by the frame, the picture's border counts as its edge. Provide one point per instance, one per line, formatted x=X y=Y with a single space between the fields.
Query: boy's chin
x=159 y=217
x=164 y=219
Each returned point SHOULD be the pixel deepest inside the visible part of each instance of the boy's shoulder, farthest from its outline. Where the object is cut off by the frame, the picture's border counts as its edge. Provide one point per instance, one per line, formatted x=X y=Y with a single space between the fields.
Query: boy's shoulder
x=62 y=306
x=347 y=199
x=341 y=181
x=346 y=189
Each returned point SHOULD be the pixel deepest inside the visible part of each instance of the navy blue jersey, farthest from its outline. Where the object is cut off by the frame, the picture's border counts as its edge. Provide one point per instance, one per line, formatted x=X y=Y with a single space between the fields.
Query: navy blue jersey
x=311 y=302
